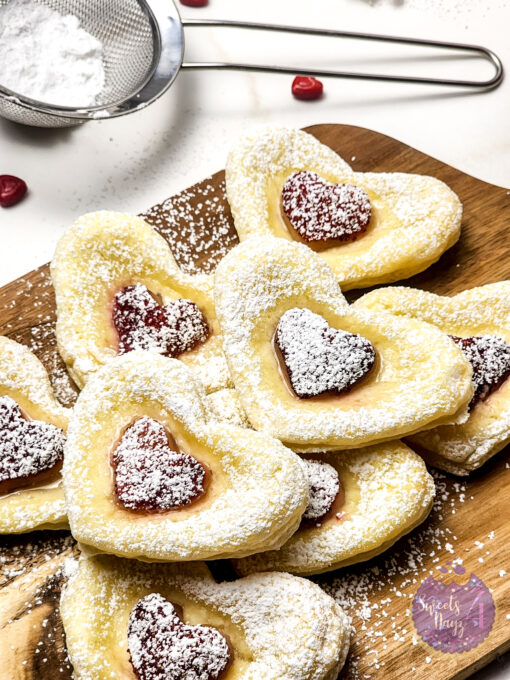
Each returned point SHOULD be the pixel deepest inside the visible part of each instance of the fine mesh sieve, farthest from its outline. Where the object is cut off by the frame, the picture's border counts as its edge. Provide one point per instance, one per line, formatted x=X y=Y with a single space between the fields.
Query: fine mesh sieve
x=143 y=46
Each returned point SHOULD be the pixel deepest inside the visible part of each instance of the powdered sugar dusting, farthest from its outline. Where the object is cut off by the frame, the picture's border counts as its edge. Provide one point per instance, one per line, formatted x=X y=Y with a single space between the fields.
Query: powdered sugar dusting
x=249 y=467
x=324 y=487
x=319 y=358
x=29 y=445
x=149 y=475
x=161 y=647
x=264 y=154
x=387 y=491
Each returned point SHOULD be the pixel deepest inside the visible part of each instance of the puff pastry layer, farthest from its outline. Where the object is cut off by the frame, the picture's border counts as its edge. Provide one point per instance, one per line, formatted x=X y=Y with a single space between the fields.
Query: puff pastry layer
x=96 y=258
x=387 y=492
x=23 y=378
x=279 y=626
x=257 y=490
x=225 y=405
x=479 y=311
x=419 y=379
x=415 y=218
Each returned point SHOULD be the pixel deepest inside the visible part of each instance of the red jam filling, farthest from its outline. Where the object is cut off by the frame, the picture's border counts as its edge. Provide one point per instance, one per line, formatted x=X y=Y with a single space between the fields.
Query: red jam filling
x=31 y=451
x=489 y=357
x=142 y=323
x=162 y=647
x=151 y=475
x=320 y=211
x=320 y=359
x=326 y=494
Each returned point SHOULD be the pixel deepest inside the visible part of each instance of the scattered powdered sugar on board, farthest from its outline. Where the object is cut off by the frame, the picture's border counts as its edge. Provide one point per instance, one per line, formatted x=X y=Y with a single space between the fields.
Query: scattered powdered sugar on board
x=32 y=569
x=197 y=224
x=43 y=343
x=28 y=313
x=367 y=592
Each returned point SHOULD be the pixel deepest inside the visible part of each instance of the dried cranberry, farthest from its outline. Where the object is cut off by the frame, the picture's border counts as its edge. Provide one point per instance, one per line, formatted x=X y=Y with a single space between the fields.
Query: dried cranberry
x=12 y=190
x=307 y=87
x=195 y=3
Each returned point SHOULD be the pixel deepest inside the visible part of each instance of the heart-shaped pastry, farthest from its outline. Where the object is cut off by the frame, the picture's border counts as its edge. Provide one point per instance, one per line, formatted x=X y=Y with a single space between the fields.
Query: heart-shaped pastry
x=30 y=450
x=270 y=626
x=162 y=647
x=142 y=323
x=149 y=475
x=359 y=503
x=411 y=219
x=319 y=358
x=385 y=492
x=32 y=427
x=118 y=288
x=149 y=416
x=478 y=320
x=321 y=211
x=420 y=378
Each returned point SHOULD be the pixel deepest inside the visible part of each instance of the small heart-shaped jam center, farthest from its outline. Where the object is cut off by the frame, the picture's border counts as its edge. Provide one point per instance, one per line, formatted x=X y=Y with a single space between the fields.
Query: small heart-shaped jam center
x=324 y=487
x=489 y=357
x=149 y=475
x=319 y=358
x=321 y=211
x=30 y=450
x=142 y=323
x=162 y=647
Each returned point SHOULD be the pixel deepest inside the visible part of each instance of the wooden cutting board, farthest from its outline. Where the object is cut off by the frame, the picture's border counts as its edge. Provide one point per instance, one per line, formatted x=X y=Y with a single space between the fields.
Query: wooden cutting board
x=470 y=520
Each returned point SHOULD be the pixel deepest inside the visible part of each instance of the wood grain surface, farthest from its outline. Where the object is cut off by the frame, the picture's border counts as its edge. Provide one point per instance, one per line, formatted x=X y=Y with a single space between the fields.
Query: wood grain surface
x=470 y=520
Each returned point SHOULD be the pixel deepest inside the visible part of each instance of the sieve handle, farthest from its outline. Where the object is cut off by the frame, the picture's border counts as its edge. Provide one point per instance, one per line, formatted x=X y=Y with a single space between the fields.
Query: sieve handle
x=482 y=52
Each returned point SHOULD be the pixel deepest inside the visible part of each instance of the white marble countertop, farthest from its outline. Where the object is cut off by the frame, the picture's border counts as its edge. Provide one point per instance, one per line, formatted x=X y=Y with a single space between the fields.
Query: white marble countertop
x=130 y=163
